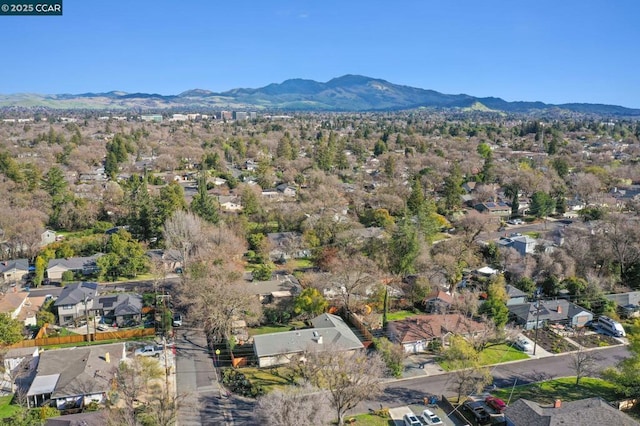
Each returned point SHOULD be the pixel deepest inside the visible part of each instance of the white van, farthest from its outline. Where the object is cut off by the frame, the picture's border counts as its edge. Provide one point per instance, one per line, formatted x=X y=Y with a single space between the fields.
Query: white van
x=610 y=326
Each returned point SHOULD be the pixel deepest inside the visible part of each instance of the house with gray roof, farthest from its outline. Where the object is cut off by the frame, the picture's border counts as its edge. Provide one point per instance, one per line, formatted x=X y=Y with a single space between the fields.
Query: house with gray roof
x=13 y=270
x=75 y=301
x=589 y=411
x=286 y=245
x=73 y=378
x=78 y=265
x=329 y=332
x=121 y=309
x=558 y=311
x=515 y=295
x=628 y=303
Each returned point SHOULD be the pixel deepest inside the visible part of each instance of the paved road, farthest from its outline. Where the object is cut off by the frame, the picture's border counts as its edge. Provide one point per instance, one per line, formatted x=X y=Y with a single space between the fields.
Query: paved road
x=413 y=390
x=205 y=402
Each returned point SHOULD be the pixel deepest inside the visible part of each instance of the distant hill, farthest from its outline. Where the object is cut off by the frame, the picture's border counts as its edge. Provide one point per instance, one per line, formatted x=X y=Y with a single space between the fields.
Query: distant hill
x=346 y=93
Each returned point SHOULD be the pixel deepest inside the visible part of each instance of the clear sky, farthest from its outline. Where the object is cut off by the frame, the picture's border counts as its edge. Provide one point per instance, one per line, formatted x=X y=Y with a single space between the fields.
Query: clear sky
x=535 y=50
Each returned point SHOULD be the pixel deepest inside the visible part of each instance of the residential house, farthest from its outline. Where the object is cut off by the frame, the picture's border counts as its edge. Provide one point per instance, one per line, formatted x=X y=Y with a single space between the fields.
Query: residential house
x=78 y=265
x=13 y=301
x=523 y=244
x=361 y=235
x=286 y=190
x=16 y=362
x=170 y=259
x=515 y=295
x=438 y=302
x=270 y=291
x=329 y=332
x=73 y=378
x=417 y=332
x=76 y=301
x=230 y=203
x=498 y=209
x=558 y=311
x=13 y=270
x=122 y=309
x=628 y=304
x=286 y=245
x=589 y=411
x=48 y=237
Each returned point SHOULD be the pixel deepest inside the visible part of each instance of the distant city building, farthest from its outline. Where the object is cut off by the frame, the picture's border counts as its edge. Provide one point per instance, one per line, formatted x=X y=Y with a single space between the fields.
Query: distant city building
x=226 y=115
x=157 y=118
x=179 y=117
x=253 y=115
x=240 y=115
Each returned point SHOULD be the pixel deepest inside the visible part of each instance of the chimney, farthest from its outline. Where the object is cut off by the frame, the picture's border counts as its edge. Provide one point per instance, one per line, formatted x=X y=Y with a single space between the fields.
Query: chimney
x=319 y=340
x=557 y=403
x=559 y=309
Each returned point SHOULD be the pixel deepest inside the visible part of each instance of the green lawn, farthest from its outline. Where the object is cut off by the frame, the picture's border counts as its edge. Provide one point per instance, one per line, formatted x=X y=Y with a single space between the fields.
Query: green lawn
x=370 y=420
x=269 y=378
x=533 y=234
x=564 y=389
x=6 y=409
x=275 y=328
x=493 y=355
x=400 y=315
x=501 y=353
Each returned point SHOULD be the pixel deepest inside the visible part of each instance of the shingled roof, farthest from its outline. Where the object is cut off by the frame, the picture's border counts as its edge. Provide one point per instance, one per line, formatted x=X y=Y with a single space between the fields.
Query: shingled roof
x=590 y=411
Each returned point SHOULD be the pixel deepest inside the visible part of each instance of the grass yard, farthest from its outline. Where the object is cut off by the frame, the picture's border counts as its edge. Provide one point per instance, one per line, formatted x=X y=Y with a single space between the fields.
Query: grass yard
x=564 y=389
x=265 y=329
x=370 y=420
x=269 y=378
x=400 y=315
x=6 y=409
x=492 y=355
x=532 y=234
x=501 y=353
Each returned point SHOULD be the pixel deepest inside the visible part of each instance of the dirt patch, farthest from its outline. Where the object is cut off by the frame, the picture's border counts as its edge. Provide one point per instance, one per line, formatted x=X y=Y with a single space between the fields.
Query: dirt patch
x=550 y=341
x=594 y=340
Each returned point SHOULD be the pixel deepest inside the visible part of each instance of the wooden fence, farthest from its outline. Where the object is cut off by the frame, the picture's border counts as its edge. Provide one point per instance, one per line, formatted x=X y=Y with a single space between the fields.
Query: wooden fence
x=355 y=321
x=77 y=338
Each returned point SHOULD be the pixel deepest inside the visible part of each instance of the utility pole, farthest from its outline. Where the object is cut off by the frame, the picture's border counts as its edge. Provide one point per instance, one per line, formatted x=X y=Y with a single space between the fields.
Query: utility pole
x=535 y=339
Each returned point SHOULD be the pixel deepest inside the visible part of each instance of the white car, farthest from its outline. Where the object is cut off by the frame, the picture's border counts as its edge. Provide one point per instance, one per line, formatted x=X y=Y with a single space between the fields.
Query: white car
x=177 y=320
x=515 y=222
x=523 y=345
x=429 y=418
x=411 y=420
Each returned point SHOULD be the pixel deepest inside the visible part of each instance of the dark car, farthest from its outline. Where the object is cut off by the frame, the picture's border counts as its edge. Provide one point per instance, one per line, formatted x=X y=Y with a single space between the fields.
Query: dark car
x=478 y=411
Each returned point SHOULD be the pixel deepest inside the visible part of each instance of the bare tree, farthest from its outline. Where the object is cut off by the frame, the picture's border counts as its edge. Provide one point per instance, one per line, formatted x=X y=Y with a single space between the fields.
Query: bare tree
x=583 y=363
x=288 y=406
x=347 y=377
x=353 y=274
x=183 y=232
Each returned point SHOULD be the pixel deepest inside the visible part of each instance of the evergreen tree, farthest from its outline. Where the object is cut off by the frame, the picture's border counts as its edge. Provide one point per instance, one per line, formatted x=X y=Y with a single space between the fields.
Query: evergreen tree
x=404 y=249
x=453 y=188
x=416 y=198
x=203 y=204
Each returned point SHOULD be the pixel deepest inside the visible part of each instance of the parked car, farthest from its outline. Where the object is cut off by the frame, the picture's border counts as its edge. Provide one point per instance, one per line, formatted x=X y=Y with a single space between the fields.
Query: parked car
x=495 y=403
x=411 y=420
x=177 y=320
x=429 y=418
x=479 y=412
x=523 y=345
x=515 y=222
x=148 y=351
x=103 y=327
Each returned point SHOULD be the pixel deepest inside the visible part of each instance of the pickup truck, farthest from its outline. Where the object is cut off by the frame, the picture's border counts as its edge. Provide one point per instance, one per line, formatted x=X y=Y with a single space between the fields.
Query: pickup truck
x=149 y=351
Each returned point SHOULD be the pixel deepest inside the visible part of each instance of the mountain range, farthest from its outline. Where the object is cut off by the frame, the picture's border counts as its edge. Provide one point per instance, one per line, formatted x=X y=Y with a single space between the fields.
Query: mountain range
x=346 y=93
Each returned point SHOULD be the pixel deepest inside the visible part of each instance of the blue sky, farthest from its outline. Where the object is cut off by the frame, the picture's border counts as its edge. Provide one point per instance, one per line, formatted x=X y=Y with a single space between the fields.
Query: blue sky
x=533 y=50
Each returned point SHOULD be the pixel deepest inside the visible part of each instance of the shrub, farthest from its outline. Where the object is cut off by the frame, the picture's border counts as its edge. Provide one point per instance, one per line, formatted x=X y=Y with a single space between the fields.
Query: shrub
x=67 y=276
